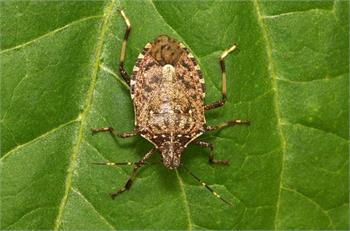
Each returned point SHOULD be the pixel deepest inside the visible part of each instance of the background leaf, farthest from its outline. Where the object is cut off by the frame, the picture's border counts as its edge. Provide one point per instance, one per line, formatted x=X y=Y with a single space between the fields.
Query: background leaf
x=59 y=78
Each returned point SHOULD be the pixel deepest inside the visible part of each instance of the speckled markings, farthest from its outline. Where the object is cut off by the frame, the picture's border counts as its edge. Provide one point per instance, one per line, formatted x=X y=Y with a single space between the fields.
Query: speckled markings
x=168 y=91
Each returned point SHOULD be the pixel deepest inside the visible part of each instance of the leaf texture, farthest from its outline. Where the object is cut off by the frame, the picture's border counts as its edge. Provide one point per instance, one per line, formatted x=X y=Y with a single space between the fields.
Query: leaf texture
x=59 y=79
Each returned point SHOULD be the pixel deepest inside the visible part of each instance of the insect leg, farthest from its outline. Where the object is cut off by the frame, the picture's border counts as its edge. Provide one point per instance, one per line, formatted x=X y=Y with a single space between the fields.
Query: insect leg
x=227 y=124
x=114 y=133
x=212 y=160
x=131 y=179
x=122 y=70
x=222 y=101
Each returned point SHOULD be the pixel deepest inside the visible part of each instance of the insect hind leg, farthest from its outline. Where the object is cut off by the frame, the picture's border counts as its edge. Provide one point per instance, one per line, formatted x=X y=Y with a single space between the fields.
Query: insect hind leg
x=132 y=177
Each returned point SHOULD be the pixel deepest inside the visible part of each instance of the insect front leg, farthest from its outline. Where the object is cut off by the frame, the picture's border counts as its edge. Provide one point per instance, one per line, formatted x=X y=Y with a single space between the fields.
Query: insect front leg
x=122 y=70
x=114 y=133
x=131 y=179
x=227 y=124
x=212 y=160
x=222 y=101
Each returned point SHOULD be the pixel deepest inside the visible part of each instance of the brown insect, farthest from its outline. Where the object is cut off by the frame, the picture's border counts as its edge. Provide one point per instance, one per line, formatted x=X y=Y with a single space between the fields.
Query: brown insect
x=168 y=90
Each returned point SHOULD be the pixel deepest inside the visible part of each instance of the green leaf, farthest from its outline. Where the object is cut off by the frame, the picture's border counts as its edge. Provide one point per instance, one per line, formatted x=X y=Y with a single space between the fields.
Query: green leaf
x=59 y=76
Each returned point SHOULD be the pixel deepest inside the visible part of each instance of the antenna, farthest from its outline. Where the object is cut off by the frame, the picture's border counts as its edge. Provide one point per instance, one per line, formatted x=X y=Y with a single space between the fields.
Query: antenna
x=113 y=163
x=209 y=188
x=128 y=163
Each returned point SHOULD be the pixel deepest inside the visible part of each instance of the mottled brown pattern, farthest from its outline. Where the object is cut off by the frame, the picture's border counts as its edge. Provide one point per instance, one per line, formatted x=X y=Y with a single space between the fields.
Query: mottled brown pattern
x=168 y=93
x=166 y=50
x=168 y=97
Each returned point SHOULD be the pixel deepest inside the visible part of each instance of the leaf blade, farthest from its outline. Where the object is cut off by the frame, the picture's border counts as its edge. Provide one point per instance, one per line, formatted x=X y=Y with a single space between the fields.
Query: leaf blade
x=258 y=179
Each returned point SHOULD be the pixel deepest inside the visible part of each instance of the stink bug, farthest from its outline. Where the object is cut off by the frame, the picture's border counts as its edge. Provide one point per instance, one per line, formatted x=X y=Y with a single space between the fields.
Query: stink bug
x=167 y=89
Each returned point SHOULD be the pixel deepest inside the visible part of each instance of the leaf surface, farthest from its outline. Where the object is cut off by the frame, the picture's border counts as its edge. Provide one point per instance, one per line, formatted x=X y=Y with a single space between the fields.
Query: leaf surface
x=59 y=76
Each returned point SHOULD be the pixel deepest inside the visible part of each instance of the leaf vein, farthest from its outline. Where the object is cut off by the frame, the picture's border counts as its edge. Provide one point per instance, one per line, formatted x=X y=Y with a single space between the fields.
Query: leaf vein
x=25 y=215
x=315 y=128
x=13 y=95
x=292 y=13
x=187 y=207
x=313 y=202
x=6 y=155
x=272 y=72
x=326 y=78
x=117 y=77
x=93 y=207
x=177 y=174
x=84 y=114
x=50 y=33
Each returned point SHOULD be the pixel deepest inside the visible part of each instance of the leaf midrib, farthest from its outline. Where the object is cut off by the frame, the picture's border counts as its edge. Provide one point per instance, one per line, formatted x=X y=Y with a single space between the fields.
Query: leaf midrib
x=276 y=97
x=272 y=73
x=76 y=149
x=21 y=46
x=186 y=203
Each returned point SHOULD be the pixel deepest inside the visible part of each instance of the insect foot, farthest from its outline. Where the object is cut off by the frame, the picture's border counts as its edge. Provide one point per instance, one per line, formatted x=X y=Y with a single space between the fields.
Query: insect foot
x=97 y=130
x=223 y=162
x=125 y=188
x=167 y=89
